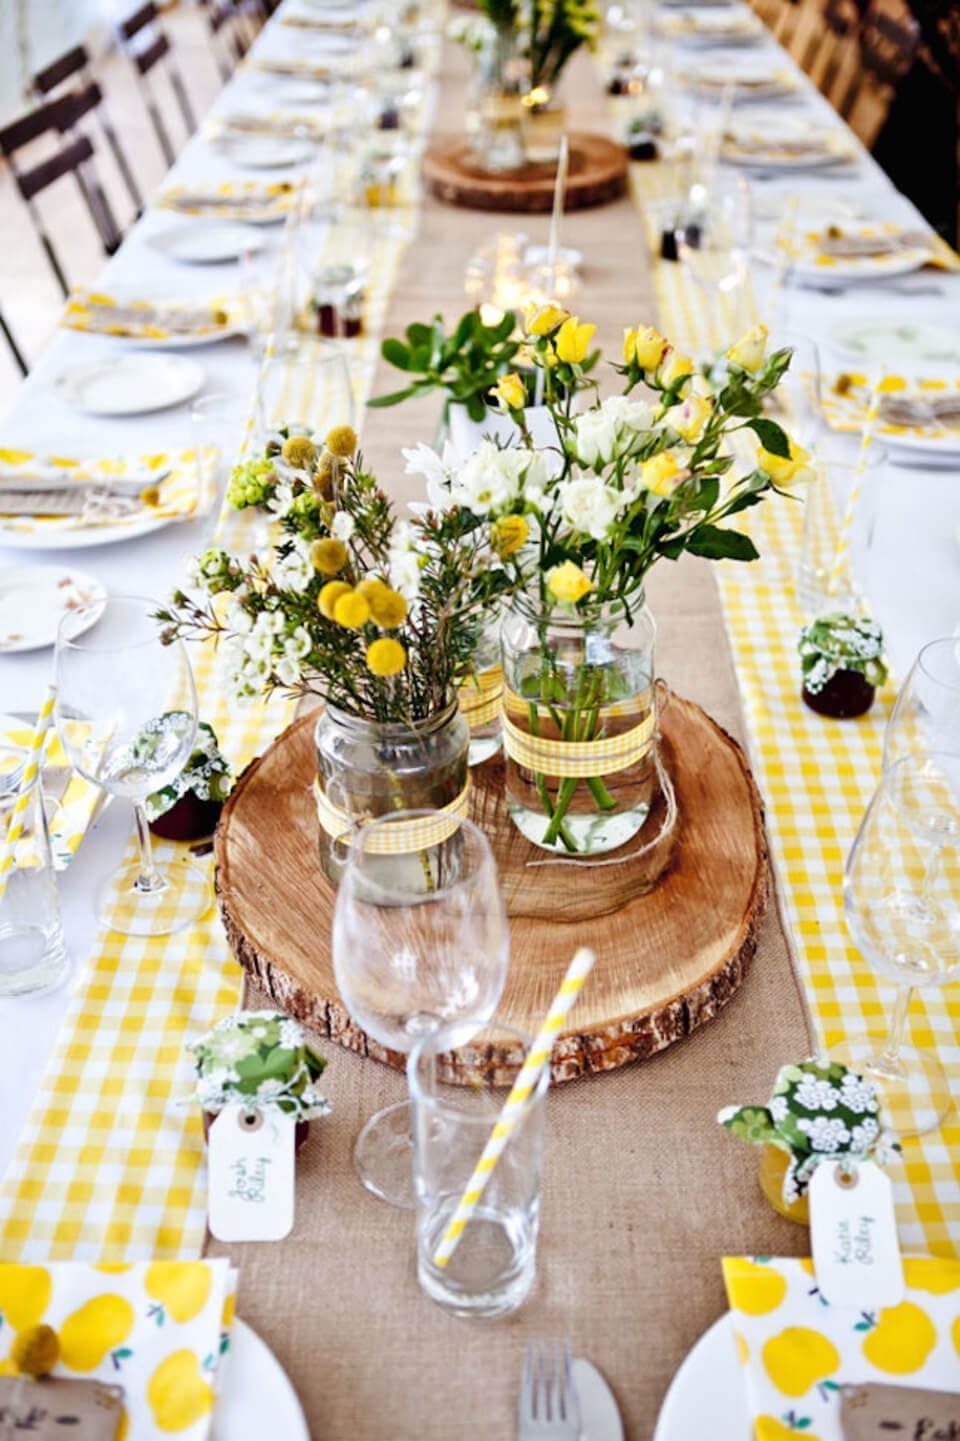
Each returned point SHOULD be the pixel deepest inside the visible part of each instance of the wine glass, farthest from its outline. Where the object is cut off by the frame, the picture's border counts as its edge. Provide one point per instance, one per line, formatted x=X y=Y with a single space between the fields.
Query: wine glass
x=901 y=895
x=926 y=714
x=126 y=714
x=420 y=940
x=715 y=237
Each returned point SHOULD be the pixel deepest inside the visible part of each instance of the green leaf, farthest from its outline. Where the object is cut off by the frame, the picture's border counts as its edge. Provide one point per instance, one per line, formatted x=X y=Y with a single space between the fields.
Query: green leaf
x=379 y=402
x=419 y=335
x=396 y=353
x=772 y=436
x=464 y=329
x=476 y=407
x=715 y=543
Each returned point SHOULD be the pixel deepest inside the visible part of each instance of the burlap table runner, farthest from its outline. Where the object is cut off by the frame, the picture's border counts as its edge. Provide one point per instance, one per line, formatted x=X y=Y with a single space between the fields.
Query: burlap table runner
x=643 y=1192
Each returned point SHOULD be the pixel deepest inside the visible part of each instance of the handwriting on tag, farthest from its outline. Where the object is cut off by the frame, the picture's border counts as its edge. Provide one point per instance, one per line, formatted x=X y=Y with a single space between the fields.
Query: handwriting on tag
x=898 y=1413
x=853 y=1228
x=250 y=1167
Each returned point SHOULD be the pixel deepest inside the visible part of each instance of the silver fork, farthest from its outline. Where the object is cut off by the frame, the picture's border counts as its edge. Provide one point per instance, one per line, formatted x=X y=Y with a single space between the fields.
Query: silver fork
x=549 y=1408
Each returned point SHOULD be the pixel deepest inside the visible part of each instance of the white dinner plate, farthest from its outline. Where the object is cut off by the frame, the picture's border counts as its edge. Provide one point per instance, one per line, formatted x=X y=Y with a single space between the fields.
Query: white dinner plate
x=287 y=90
x=83 y=538
x=132 y=384
x=708 y=1396
x=263 y=152
x=812 y=208
x=255 y=1398
x=34 y=598
x=207 y=242
x=808 y=262
x=917 y=347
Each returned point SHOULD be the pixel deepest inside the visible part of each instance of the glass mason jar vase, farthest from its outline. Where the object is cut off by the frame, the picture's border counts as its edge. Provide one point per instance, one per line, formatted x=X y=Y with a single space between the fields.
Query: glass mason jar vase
x=368 y=768
x=496 y=114
x=579 y=724
x=479 y=697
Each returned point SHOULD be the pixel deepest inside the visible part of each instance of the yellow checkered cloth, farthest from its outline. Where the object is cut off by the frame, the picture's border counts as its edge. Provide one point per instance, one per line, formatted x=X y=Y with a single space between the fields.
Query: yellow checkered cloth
x=817 y=777
x=110 y=1165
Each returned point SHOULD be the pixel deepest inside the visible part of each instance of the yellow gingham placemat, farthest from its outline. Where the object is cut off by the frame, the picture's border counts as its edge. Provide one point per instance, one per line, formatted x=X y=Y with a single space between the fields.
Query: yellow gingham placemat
x=109 y=1166
x=817 y=776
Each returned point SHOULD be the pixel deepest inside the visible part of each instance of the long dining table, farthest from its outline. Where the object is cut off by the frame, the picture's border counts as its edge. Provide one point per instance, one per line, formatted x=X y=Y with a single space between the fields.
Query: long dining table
x=632 y=1270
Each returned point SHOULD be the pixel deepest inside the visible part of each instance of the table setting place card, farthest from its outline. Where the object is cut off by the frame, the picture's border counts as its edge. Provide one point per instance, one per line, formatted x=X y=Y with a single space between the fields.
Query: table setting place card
x=60 y=1408
x=250 y=1167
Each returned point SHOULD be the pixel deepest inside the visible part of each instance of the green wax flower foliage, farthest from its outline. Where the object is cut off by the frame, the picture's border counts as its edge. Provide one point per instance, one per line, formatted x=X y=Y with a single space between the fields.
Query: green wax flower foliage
x=837 y=642
x=259 y=1058
x=819 y=1111
x=206 y=774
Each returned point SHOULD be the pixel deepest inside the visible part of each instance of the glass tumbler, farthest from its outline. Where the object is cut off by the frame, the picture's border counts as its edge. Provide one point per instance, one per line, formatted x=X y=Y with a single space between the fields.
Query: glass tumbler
x=33 y=956
x=826 y=498
x=493 y=1268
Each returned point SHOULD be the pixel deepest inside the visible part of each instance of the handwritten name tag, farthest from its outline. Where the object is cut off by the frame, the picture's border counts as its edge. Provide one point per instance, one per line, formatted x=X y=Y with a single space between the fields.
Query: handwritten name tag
x=853 y=1228
x=251 y=1174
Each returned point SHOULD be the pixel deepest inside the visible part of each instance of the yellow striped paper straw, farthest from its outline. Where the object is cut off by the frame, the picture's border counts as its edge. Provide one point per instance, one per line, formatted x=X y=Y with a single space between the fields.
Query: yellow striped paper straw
x=527 y=1081
x=35 y=752
x=853 y=500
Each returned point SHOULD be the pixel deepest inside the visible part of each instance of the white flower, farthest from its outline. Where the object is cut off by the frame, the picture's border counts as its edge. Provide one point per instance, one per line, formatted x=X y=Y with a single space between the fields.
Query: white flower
x=238 y=620
x=343 y=526
x=271 y=1087
x=824 y=1135
x=294 y=571
x=282 y=499
x=816 y=1095
x=863 y=1135
x=291 y=1034
x=437 y=470
x=404 y=565
x=589 y=506
x=858 y=1095
x=297 y=646
x=779 y=1109
x=490 y=480
x=287 y=671
x=608 y=431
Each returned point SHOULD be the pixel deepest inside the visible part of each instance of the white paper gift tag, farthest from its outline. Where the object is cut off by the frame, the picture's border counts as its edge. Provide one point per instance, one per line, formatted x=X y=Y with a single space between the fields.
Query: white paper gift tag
x=250 y=1164
x=853 y=1229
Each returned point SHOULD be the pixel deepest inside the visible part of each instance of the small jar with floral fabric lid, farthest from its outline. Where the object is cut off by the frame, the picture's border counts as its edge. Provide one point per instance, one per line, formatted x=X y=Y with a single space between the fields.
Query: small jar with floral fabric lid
x=842 y=661
x=259 y=1059
x=819 y=1111
x=189 y=807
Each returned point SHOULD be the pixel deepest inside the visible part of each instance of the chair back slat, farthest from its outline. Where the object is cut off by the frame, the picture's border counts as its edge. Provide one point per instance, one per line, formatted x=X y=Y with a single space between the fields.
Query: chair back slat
x=72 y=63
x=139 y=20
x=153 y=53
x=30 y=182
x=888 y=46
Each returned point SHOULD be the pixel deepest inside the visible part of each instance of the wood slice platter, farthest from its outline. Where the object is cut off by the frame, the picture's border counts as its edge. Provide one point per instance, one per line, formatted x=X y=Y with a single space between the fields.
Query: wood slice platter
x=598 y=174
x=667 y=960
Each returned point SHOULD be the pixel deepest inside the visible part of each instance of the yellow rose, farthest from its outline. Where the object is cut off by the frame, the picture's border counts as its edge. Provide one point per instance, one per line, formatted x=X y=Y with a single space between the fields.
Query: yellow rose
x=568 y=582
x=511 y=392
x=573 y=341
x=645 y=347
x=677 y=368
x=544 y=319
x=689 y=417
x=509 y=534
x=662 y=474
x=386 y=656
x=750 y=350
x=783 y=471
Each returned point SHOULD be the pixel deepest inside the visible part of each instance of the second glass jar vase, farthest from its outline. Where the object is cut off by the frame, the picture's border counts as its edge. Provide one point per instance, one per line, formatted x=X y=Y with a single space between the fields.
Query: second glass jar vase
x=368 y=768
x=579 y=725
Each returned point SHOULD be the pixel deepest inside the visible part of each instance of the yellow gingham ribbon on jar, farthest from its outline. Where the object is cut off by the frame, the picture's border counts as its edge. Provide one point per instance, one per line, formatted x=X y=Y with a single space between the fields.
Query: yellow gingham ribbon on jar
x=577 y=760
x=636 y=705
x=479 y=697
x=401 y=838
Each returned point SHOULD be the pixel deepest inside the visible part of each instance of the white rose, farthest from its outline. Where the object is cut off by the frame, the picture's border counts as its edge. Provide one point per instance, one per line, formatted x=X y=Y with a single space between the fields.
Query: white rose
x=607 y=432
x=588 y=505
x=490 y=480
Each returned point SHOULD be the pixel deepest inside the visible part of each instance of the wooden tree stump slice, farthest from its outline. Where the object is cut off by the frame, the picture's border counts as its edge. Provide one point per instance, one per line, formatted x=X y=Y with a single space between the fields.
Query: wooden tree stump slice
x=598 y=174
x=667 y=961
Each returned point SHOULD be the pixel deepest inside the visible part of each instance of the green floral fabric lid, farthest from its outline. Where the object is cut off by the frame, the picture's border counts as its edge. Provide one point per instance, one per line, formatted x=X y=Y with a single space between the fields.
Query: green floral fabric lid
x=261 y=1058
x=836 y=642
x=819 y=1111
x=206 y=773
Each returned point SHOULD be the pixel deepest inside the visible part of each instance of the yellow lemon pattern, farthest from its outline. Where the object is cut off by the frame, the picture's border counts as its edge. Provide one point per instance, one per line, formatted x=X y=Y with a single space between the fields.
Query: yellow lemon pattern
x=768 y=1428
x=753 y=1288
x=182 y=1287
x=177 y=1393
x=901 y=1341
x=25 y=1293
x=89 y=1334
x=743 y=1350
x=797 y=1358
x=931 y=1273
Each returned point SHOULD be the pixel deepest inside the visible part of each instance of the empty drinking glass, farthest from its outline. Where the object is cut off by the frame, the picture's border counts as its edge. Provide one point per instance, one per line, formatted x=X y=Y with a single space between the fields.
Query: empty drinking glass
x=420 y=941
x=32 y=952
x=217 y=424
x=824 y=506
x=126 y=713
x=714 y=242
x=493 y=1267
x=926 y=716
x=902 y=900
x=305 y=392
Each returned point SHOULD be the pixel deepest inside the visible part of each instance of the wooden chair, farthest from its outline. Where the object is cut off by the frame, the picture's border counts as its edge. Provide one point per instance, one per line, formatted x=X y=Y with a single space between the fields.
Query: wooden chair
x=833 y=64
x=233 y=27
x=14 y=348
x=889 y=39
x=148 y=45
x=72 y=74
x=73 y=155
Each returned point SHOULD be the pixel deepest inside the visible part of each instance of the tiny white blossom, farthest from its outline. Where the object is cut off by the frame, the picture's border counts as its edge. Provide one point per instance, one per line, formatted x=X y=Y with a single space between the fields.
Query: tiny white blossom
x=779 y=1109
x=816 y=1095
x=291 y=1034
x=863 y=1135
x=271 y=1087
x=858 y=1095
x=824 y=1134
x=287 y=671
x=343 y=526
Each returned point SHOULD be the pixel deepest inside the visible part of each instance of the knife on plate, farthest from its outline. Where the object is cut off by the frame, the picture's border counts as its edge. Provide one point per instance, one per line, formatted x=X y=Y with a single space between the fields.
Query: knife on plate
x=599 y=1412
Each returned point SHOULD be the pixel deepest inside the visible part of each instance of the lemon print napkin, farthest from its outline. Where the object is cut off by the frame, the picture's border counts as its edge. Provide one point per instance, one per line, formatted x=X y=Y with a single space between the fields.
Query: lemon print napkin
x=797 y=1350
x=175 y=487
x=158 y=1330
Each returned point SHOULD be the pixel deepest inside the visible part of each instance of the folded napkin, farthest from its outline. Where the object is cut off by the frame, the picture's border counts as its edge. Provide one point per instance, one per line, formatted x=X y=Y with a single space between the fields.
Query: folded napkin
x=283 y=123
x=922 y=408
x=231 y=202
x=88 y=310
x=869 y=241
x=174 y=487
x=158 y=1330
x=75 y=800
x=797 y=1351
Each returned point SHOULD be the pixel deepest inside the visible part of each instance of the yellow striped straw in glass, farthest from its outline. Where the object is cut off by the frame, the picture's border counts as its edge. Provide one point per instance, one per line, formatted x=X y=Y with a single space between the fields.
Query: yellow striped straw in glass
x=35 y=752
x=530 y=1073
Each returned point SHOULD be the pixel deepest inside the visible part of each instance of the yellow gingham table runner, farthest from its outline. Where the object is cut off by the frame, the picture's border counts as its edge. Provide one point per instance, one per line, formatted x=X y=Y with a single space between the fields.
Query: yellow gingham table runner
x=817 y=776
x=109 y=1166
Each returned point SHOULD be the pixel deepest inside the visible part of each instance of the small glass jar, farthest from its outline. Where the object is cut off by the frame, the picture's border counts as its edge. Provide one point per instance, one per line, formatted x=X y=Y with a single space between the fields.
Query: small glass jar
x=368 y=768
x=496 y=121
x=773 y=1168
x=587 y=678
x=479 y=697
